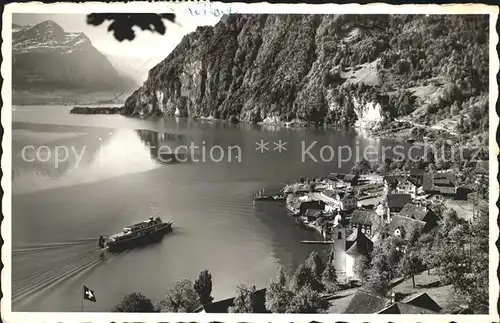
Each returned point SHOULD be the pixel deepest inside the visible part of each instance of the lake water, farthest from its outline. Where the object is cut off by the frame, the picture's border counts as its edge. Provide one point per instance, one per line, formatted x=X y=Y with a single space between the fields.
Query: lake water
x=114 y=175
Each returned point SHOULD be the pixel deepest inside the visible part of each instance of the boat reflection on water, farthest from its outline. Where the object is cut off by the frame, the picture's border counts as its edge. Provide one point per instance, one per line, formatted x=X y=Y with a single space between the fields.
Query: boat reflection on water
x=165 y=148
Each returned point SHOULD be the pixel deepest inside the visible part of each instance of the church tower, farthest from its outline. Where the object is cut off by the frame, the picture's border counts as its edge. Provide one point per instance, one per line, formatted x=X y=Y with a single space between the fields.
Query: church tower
x=339 y=244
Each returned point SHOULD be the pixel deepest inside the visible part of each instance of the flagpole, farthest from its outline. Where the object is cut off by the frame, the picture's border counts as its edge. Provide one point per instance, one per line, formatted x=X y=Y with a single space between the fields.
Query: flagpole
x=82 y=302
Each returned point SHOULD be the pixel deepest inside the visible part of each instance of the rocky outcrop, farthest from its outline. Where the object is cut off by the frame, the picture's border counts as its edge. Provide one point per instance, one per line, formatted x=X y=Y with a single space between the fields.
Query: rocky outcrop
x=243 y=69
x=370 y=114
x=96 y=110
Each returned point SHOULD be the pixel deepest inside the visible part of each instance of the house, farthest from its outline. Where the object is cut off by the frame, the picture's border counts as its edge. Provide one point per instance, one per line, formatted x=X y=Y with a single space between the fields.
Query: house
x=395 y=202
x=410 y=186
x=311 y=205
x=421 y=213
x=348 y=249
x=222 y=306
x=439 y=183
x=367 y=302
x=365 y=220
x=401 y=225
x=346 y=200
x=326 y=197
x=336 y=200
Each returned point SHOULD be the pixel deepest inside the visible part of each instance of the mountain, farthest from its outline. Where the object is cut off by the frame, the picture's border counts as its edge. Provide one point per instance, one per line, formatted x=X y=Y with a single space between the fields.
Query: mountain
x=136 y=68
x=46 y=58
x=341 y=70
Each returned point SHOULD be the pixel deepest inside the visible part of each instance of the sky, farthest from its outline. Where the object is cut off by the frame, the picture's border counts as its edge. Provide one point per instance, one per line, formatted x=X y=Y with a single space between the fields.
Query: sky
x=146 y=45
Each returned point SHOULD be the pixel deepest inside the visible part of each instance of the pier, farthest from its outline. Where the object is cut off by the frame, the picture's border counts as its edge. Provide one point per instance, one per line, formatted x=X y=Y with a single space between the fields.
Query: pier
x=317 y=241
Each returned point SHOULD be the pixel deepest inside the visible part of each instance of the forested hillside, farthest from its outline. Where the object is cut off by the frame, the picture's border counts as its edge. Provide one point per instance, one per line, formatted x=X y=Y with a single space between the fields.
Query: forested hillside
x=329 y=70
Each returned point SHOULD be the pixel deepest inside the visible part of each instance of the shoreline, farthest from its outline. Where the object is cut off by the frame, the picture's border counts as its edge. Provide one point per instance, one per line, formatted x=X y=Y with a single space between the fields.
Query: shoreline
x=402 y=133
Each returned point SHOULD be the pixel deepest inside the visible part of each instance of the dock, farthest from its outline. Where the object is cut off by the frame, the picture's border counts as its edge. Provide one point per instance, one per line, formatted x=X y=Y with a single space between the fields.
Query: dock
x=263 y=197
x=317 y=241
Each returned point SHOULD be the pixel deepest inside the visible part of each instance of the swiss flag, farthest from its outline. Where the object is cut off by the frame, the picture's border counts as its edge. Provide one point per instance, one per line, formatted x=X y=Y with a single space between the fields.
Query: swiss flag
x=88 y=294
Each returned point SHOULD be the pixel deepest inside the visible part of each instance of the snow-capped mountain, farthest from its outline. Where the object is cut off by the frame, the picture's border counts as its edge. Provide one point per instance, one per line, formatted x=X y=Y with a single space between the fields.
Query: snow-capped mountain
x=134 y=67
x=45 y=57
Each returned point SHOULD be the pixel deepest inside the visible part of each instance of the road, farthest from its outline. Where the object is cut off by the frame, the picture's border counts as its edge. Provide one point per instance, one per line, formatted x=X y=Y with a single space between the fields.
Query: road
x=434 y=127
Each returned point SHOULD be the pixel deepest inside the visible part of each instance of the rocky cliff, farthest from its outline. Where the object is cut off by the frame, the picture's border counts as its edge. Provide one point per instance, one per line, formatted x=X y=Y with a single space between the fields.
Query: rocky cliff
x=334 y=69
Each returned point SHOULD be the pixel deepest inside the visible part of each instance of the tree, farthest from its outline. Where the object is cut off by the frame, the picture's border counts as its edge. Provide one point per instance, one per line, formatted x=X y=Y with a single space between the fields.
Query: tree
x=361 y=267
x=122 y=23
x=135 y=302
x=182 y=297
x=474 y=288
x=245 y=301
x=410 y=263
x=449 y=221
x=362 y=166
x=385 y=259
x=278 y=297
x=427 y=249
x=307 y=300
x=203 y=287
x=304 y=276
x=316 y=264
x=329 y=276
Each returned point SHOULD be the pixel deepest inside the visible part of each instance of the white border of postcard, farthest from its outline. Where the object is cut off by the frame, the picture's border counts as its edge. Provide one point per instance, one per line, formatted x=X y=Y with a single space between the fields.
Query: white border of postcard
x=180 y=8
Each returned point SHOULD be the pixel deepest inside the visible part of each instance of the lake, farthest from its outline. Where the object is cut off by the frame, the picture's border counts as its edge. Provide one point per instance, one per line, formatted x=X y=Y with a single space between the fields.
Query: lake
x=109 y=172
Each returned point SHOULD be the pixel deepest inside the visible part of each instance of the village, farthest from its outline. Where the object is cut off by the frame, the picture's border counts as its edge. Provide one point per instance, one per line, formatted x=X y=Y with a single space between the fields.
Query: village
x=342 y=207
x=355 y=212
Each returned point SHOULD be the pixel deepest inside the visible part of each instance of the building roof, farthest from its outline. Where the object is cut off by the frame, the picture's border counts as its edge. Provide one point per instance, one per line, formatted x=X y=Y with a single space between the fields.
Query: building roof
x=353 y=236
x=351 y=177
x=222 y=306
x=312 y=213
x=365 y=217
x=423 y=300
x=482 y=167
x=359 y=245
x=399 y=221
x=324 y=196
x=317 y=205
x=415 y=181
x=402 y=308
x=398 y=200
x=365 y=302
x=431 y=180
x=414 y=211
x=343 y=177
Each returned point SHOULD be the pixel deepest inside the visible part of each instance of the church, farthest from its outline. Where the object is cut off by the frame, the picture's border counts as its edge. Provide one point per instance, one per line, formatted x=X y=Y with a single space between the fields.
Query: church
x=348 y=249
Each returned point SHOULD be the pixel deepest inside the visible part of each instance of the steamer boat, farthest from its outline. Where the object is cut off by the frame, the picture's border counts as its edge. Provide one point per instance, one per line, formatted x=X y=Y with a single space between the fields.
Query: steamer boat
x=139 y=234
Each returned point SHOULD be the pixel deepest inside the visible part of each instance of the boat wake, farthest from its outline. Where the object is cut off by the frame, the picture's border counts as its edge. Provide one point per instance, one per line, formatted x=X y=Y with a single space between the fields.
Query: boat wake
x=37 y=268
